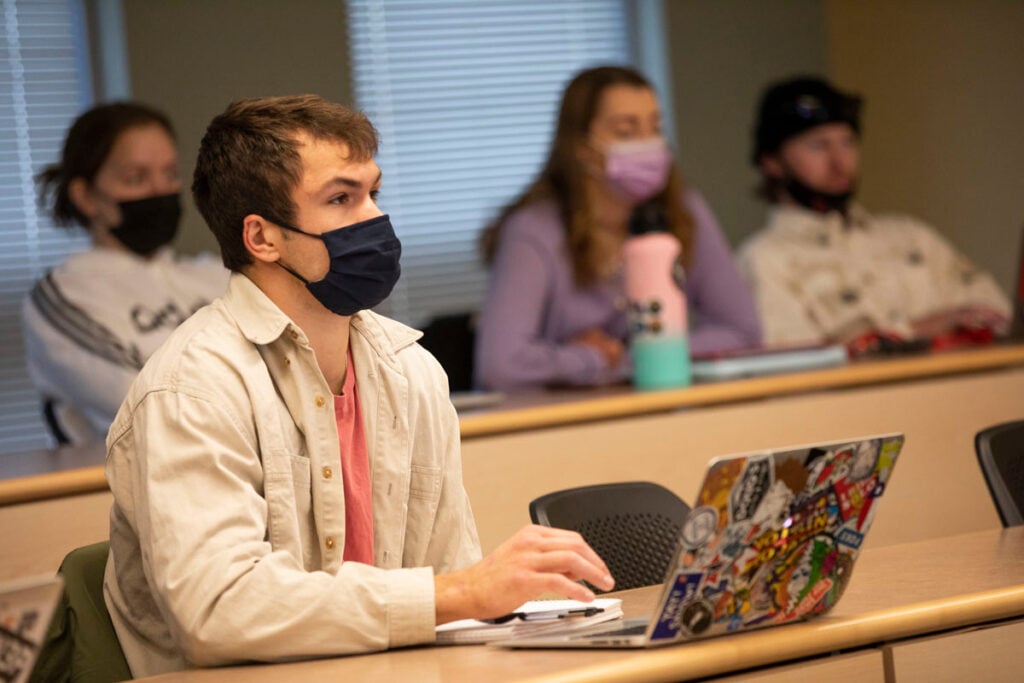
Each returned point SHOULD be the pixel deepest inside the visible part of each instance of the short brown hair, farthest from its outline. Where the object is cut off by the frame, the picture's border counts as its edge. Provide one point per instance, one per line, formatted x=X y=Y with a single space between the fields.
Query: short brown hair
x=249 y=161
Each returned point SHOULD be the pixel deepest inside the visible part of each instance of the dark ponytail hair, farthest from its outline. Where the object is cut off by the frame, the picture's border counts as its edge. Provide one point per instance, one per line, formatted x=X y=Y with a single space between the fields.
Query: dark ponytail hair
x=86 y=148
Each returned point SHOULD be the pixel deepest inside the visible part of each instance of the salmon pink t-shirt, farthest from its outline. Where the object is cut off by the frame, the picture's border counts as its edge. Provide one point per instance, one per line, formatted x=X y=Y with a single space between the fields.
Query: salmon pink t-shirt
x=355 y=472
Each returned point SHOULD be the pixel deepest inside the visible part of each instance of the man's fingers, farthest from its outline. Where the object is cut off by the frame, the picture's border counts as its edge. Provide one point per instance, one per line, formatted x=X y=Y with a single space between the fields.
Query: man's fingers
x=570 y=540
x=574 y=567
x=556 y=583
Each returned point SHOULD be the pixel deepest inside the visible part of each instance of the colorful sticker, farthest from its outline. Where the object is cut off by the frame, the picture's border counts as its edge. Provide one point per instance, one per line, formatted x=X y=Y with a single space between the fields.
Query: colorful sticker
x=700 y=526
x=849 y=537
x=865 y=459
x=810 y=601
x=747 y=495
x=809 y=520
x=719 y=482
x=887 y=458
x=854 y=496
x=683 y=591
x=697 y=617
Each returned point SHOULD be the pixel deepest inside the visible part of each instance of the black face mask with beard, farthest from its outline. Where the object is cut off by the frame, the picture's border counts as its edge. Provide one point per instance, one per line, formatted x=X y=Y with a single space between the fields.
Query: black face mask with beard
x=822 y=202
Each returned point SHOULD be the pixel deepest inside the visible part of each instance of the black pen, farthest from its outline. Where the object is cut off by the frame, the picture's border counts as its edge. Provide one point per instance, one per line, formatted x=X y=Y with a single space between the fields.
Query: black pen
x=549 y=614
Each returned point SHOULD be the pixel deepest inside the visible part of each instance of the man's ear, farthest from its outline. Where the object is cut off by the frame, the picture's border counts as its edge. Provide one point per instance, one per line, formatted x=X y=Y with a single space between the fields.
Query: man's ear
x=78 y=193
x=772 y=166
x=261 y=238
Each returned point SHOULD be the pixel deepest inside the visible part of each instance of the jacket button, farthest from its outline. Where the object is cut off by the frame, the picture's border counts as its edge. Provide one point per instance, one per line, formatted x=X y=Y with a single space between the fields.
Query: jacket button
x=294 y=334
x=320 y=401
x=328 y=473
x=329 y=542
x=287 y=361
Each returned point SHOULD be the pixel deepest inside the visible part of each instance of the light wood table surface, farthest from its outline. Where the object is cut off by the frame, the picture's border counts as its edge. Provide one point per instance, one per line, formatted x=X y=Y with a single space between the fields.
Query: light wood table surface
x=896 y=592
x=40 y=475
x=51 y=503
x=552 y=409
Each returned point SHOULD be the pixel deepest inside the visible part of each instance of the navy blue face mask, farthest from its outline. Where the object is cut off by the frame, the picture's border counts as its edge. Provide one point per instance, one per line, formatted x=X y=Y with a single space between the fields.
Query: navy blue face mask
x=364 y=265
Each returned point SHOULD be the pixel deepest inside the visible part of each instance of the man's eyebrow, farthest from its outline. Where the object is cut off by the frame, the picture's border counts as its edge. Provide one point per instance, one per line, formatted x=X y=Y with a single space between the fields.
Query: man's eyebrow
x=348 y=182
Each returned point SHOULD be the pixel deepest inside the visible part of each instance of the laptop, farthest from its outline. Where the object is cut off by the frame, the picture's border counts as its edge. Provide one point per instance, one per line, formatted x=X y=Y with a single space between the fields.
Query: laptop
x=475 y=400
x=759 y=361
x=26 y=607
x=772 y=540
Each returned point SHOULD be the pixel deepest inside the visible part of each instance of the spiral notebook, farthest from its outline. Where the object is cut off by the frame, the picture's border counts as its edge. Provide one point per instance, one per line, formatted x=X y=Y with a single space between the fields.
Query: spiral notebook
x=531 y=619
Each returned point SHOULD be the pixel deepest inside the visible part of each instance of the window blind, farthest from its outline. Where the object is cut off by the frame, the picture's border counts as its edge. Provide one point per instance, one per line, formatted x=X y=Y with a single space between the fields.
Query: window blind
x=43 y=86
x=465 y=94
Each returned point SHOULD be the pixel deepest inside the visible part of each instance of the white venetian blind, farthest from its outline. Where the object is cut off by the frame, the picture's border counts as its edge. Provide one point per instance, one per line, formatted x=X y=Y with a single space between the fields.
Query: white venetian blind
x=465 y=95
x=44 y=84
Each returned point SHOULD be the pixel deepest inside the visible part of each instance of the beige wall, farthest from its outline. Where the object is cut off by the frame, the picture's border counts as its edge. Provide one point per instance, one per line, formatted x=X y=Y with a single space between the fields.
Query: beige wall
x=944 y=88
x=192 y=57
x=943 y=81
x=722 y=54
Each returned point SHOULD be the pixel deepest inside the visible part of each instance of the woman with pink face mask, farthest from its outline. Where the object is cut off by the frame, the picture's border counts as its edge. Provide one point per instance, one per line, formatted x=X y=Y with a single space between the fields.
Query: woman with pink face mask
x=555 y=311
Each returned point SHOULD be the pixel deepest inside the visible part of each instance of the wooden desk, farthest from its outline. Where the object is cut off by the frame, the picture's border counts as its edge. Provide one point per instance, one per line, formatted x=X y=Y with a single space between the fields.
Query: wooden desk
x=937 y=488
x=39 y=475
x=896 y=593
x=538 y=443
x=553 y=409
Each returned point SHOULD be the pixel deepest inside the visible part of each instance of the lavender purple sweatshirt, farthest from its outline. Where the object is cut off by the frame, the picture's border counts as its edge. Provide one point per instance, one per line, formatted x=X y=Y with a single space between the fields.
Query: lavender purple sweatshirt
x=533 y=307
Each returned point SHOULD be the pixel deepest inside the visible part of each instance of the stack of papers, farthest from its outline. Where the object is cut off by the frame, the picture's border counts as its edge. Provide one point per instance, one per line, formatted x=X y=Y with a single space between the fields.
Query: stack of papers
x=538 y=617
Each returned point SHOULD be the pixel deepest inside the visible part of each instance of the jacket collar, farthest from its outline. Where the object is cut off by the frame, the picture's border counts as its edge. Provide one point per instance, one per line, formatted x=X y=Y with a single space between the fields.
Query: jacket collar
x=262 y=322
x=386 y=336
x=803 y=222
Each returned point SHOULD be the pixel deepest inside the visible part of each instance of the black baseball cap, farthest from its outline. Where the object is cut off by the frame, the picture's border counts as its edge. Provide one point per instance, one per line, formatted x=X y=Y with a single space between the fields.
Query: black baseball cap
x=790 y=107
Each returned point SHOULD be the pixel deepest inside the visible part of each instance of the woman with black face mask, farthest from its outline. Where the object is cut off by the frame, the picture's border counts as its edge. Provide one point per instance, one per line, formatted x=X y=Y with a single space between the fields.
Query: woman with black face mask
x=92 y=321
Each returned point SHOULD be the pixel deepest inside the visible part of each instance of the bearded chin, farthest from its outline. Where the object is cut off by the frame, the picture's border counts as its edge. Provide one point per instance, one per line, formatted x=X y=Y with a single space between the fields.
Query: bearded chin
x=816 y=200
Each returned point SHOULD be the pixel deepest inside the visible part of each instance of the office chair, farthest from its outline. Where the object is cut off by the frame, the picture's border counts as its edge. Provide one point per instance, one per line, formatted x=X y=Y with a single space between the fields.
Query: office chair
x=633 y=526
x=52 y=423
x=1000 y=450
x=81 y=644
x=450 y=338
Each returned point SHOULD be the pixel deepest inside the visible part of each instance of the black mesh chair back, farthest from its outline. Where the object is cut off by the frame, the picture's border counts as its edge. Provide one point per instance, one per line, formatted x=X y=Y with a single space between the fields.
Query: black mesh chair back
x=1000 y=451
x=451 y=339
x=633 y=526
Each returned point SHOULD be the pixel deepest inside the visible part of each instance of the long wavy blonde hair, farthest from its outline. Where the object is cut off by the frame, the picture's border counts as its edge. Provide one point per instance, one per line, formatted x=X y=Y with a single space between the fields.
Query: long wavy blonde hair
x=564 y=179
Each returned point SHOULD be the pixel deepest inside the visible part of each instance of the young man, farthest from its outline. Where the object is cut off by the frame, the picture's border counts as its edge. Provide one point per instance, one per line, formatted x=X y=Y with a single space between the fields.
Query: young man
x=824 y=269
x=238 y=532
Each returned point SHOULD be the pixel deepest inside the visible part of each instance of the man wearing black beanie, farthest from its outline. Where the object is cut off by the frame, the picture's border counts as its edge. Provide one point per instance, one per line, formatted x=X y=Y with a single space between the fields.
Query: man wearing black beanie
x=823 y=269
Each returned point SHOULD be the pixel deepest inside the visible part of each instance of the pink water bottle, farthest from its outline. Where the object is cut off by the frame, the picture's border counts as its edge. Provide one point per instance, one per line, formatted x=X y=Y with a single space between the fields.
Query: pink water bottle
x=657 y=303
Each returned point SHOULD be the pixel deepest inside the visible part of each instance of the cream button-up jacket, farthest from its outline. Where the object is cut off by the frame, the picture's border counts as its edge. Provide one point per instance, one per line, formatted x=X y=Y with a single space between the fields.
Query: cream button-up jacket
x=228 y=523
x=815 y=277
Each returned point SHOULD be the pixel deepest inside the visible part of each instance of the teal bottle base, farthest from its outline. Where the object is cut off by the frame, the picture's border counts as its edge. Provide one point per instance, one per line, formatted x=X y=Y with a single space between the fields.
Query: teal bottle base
x=661 y=363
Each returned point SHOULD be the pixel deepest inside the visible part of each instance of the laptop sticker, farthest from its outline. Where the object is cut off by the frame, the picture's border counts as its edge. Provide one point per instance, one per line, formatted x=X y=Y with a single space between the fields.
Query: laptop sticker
x=670 y=620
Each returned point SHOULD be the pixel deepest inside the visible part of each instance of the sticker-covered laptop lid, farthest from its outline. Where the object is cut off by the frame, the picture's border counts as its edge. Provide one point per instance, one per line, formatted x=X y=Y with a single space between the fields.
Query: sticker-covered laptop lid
x=773 y=536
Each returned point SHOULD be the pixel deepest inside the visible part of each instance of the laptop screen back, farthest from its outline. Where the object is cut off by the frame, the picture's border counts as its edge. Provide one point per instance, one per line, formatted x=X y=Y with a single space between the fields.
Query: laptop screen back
x=773 y=537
